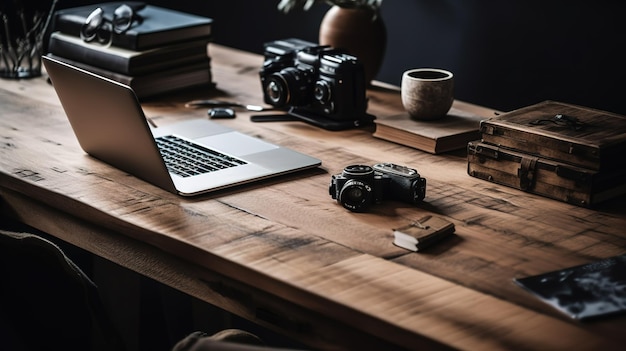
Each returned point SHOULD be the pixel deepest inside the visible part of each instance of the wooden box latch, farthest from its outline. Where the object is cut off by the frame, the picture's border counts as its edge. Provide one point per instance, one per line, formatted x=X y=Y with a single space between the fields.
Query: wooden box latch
x=526 y=173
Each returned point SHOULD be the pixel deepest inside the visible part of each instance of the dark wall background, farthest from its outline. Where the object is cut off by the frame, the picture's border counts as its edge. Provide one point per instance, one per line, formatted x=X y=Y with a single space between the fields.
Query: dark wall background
x=505 y=54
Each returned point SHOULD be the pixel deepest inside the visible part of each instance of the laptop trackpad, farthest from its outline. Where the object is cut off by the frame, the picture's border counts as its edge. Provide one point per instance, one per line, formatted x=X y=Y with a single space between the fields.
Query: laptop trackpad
x=236 y=143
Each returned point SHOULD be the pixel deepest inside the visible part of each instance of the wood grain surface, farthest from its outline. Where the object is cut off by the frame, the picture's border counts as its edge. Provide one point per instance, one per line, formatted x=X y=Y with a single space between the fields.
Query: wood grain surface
x=282 y=253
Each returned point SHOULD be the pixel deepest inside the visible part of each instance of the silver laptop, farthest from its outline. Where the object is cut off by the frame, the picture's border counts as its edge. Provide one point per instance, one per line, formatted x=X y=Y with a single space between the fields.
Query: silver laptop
x=187 y=158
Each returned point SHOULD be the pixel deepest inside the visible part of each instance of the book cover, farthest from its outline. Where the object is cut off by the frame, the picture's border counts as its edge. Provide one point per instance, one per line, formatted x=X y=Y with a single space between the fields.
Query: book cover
x=126 y=61
x=158 y=26
x=450 y=133
x=422 y=233
x=590 y=290
x=191 y=75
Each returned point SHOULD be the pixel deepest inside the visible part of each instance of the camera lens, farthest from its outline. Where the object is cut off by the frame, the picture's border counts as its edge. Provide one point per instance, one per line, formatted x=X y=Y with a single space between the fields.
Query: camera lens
x=355 y=195
x=276 y=91
x=322 y=91
x=290 y=86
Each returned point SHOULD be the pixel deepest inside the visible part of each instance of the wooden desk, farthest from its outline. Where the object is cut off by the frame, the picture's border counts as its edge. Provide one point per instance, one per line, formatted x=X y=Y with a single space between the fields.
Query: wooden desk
x=283 y=254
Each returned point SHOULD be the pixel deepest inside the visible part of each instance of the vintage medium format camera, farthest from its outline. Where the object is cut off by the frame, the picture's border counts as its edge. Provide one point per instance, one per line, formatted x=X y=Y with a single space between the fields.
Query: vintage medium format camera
x=359 y=186
x=318 y=84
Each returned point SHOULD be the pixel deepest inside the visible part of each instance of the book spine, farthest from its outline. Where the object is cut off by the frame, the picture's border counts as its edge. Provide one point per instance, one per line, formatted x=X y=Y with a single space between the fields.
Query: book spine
x=194 y=74
x=128 y=41
x=127 y=61
x=118 y=77
x=79 y=53
x=68 y=23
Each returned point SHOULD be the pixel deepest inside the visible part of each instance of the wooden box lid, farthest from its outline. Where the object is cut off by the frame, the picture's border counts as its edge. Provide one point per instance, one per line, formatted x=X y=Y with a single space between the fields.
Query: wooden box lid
x=568 y=133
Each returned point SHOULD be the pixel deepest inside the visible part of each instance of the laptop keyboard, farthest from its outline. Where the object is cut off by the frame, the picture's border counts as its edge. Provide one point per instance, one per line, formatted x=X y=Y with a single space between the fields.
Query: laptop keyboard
x=187 y=159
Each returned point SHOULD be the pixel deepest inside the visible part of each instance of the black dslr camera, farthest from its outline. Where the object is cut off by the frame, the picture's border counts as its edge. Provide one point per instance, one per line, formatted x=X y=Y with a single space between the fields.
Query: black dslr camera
x=320 y=85
x=359 y=186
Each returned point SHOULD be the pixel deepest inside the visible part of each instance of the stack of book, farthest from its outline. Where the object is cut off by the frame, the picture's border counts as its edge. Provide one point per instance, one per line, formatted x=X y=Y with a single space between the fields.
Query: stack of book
x=162 y=51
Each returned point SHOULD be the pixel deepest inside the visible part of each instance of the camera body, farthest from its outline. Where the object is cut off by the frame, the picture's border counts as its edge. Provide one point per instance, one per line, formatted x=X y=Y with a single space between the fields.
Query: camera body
x=319 y=83
x=359 y=186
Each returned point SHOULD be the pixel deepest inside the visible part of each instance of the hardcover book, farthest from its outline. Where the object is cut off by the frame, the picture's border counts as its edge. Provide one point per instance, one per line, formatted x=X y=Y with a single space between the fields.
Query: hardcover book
x=127 y=61
x=157 y=26
x=452 y=132
x=422 y=233
x=590 y=290
x=191 y=75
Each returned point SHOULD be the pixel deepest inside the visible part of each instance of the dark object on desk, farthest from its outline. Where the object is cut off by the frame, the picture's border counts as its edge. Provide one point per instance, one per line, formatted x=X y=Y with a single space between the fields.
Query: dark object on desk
x=360 y=186
x=452 y=132
x=293 y=115
x=152 y=84
x=223 y=103
x=285 y=117
x=422 y=233
x=125 y=61
x=221 y=112
x=320 y=85
x=156 y=50
x=586 y=291
x=157 y=26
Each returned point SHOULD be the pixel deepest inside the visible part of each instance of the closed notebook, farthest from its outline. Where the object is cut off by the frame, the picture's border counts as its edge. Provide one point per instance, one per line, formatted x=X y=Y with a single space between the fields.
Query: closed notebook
x=125 y=61
x=155 y=26
x=422 y=233
x=151 y=84
x=447 y=134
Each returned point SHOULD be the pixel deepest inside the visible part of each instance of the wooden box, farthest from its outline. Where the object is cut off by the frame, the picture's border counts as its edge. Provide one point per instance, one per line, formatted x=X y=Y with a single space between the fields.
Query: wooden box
x=581 y=136
x=543 y=176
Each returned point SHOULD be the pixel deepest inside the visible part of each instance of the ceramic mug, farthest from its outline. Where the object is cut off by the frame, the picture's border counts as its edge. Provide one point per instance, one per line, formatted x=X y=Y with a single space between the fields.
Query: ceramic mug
x=427 y=93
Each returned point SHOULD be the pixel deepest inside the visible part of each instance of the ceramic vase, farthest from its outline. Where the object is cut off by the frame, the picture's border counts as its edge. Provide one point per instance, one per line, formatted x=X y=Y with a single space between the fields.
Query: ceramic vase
x=358 y=31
